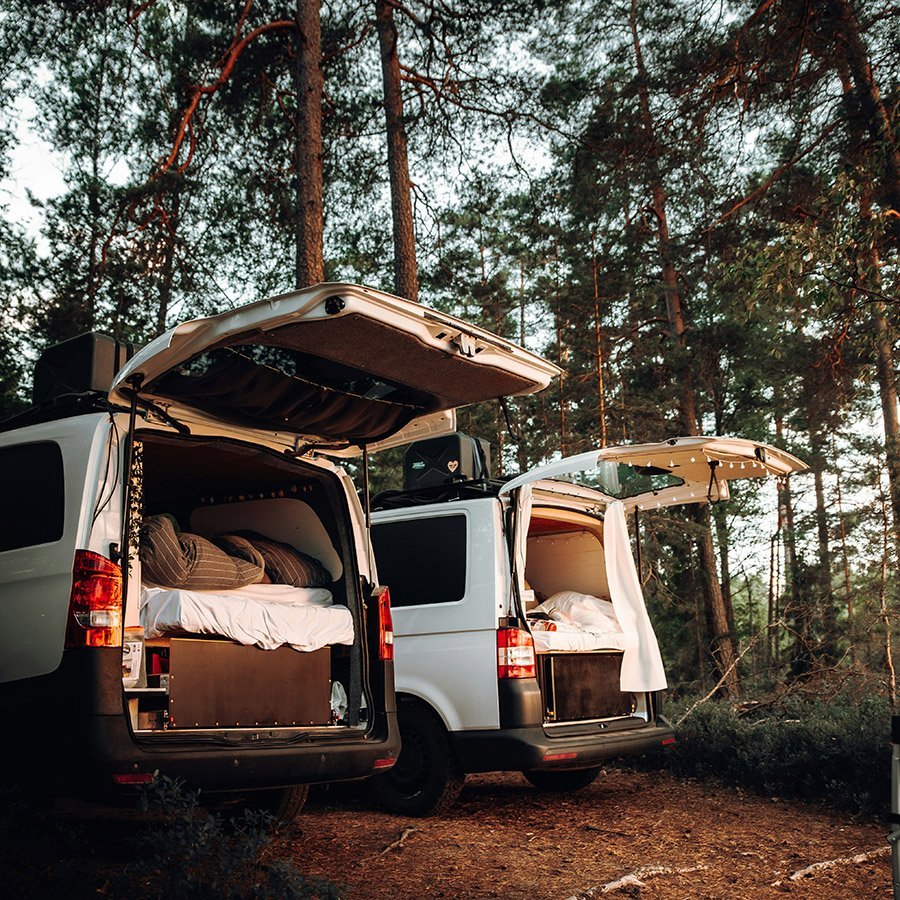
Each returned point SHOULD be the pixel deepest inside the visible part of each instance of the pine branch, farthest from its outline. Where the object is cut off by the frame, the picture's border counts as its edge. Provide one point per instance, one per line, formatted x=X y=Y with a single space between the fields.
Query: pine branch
x=226 y=65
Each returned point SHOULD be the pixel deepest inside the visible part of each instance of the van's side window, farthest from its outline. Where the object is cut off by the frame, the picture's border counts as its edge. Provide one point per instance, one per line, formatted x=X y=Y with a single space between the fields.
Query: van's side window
x=32 y=498
x=422 y=561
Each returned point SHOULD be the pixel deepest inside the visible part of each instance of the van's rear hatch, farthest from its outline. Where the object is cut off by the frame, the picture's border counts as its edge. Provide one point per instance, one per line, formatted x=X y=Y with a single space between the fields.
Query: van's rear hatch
x=570 y=536
x=334 y=366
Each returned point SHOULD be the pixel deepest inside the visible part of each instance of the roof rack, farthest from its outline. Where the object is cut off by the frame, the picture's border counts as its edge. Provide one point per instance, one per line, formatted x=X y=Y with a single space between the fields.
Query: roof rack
x=441 y=493
x=64 y=406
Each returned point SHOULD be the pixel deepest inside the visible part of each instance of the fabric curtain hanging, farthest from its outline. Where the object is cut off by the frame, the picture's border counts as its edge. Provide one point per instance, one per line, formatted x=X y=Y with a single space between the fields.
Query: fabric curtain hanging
x=642 y=665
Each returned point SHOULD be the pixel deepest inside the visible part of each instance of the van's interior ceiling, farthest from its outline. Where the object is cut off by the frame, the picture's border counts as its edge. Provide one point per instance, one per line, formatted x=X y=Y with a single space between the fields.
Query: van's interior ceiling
x=344 y=379
x=179 y=470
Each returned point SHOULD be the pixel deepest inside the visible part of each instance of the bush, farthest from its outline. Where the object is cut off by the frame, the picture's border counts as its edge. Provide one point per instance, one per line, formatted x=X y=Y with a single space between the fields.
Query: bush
x=187 y=852
x=837 y=752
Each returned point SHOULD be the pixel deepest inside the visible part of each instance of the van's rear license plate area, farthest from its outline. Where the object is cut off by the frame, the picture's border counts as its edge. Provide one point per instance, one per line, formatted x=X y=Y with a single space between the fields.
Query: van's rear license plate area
x=579 y=686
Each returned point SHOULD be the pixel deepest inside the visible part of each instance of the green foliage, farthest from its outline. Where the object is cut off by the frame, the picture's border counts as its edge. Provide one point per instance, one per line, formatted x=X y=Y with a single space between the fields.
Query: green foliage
x=836 y=752
x=187 y=852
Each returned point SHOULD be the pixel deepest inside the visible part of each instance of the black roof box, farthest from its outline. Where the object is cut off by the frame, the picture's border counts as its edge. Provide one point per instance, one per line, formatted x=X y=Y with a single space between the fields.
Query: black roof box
x=79 y=365
x=445 y=460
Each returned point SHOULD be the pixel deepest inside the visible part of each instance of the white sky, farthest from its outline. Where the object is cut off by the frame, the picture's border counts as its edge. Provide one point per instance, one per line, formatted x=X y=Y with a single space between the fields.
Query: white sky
x=34 y=167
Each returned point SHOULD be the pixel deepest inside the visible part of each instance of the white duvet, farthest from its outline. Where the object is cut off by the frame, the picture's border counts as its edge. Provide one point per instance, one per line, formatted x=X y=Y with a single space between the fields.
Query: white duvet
x=578 y=622
x=263 y=615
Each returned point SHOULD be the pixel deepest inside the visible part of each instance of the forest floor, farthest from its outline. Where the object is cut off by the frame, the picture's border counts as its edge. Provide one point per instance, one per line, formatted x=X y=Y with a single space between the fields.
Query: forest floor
x=633 y=833
x=680 y=839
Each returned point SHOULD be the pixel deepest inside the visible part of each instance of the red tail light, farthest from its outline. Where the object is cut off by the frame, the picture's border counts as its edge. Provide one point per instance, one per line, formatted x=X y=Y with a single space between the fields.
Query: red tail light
x=385 y=624
x=95 y=605
x=515 y=654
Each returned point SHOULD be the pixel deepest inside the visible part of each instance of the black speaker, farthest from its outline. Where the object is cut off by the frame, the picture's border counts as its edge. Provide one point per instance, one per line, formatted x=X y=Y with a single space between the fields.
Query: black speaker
x=85 y=363
x=444 y=460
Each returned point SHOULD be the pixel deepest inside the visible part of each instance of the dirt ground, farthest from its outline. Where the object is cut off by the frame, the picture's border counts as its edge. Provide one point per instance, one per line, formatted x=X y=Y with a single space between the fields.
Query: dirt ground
x=660 y=836
x=505 y=839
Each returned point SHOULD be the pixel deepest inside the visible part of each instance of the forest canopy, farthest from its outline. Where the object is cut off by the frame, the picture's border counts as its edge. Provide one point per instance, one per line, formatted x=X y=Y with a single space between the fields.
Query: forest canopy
x=692 y=207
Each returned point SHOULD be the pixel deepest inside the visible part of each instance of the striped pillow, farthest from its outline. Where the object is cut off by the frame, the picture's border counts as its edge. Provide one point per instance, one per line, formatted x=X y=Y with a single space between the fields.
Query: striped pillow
x=179 y=560
x=285 y=564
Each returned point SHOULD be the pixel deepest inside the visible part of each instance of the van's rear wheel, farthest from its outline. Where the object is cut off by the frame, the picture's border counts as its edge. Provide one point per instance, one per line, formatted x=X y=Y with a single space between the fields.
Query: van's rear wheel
x=425 y=780
x=285 y=803
x=564 y=781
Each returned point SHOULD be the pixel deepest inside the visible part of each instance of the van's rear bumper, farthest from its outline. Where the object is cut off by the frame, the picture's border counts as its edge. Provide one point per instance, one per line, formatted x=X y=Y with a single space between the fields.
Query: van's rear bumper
x=531 y=748
x=69 y=730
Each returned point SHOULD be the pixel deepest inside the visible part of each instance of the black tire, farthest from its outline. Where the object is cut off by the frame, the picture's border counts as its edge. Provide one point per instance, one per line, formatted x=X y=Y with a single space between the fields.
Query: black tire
x=426 y=780
x=282 y=803
x=564 y=781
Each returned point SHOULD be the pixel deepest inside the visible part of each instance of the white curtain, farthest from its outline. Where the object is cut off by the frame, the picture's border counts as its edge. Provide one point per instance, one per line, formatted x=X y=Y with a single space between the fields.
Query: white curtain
x=642 y=666
x=523 y=504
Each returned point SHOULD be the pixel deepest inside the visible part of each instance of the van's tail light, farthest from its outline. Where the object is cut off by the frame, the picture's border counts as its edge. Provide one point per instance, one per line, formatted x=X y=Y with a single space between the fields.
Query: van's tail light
x=515 y=654
x=385 y=623
x=95 y=606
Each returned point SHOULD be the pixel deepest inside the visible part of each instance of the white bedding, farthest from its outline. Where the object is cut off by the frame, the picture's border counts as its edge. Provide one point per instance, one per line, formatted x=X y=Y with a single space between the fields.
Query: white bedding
x=570 y=636
x=578 y=622
x=264 y=615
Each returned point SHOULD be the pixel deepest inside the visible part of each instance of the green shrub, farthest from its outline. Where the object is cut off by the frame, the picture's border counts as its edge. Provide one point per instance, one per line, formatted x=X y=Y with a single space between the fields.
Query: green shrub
x=837 y=752
x=187 y=852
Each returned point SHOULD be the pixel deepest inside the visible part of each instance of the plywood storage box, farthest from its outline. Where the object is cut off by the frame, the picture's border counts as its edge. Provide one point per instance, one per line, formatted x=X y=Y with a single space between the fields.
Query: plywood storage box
x=583 y=685
x=219 y=684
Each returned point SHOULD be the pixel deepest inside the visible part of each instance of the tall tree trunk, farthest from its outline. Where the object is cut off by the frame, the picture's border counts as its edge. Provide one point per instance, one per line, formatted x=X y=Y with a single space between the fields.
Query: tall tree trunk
x=770 y=607
x=598 y=335
x=887 y=389
x=406 y=276
x=796 y=610
x=561 y=354
x=720 y=518
x=170 y=236
x=309 y=266
x=826 y=612
x=722 y=639
x=875 y=114
x=848 y=587
x=884 y=613
x=884 y=338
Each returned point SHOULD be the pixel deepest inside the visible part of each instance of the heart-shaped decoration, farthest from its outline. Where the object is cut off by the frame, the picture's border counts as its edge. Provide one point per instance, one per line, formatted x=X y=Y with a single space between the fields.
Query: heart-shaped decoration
x=453 y=465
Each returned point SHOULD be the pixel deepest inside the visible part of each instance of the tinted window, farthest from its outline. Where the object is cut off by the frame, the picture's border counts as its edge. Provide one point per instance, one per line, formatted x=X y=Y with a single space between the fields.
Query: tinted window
x=31 y=495
x=621 y=480
x=422 y=561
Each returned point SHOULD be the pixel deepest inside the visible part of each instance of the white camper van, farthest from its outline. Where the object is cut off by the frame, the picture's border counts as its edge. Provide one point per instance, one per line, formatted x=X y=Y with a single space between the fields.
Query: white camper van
x=226 y=426
x=522 y=642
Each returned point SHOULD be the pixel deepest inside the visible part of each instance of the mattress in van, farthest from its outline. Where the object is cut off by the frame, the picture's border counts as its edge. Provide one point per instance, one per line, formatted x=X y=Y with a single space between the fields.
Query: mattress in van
x=263 y=615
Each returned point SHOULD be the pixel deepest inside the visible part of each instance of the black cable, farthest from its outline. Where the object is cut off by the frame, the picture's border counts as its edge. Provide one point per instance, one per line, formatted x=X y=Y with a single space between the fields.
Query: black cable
x=110 y=455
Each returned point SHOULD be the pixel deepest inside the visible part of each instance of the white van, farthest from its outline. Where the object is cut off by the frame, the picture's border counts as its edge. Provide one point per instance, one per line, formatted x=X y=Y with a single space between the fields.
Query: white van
x=522 y=642
x=224 y=424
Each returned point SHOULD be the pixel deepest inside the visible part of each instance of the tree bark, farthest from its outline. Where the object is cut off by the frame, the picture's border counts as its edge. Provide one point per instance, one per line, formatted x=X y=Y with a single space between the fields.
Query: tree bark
x=406 y=276
x=309 y=266
x=796 y=610
x=722 y=639
x=826 y=612
x=720 y=519
x=875 y=113
x=884 y=338
x=598 y=335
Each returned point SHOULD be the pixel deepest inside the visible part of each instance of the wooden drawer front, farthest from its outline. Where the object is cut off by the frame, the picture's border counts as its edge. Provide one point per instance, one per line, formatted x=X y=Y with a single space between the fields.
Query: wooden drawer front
x=583 y=686
x=223 y=684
